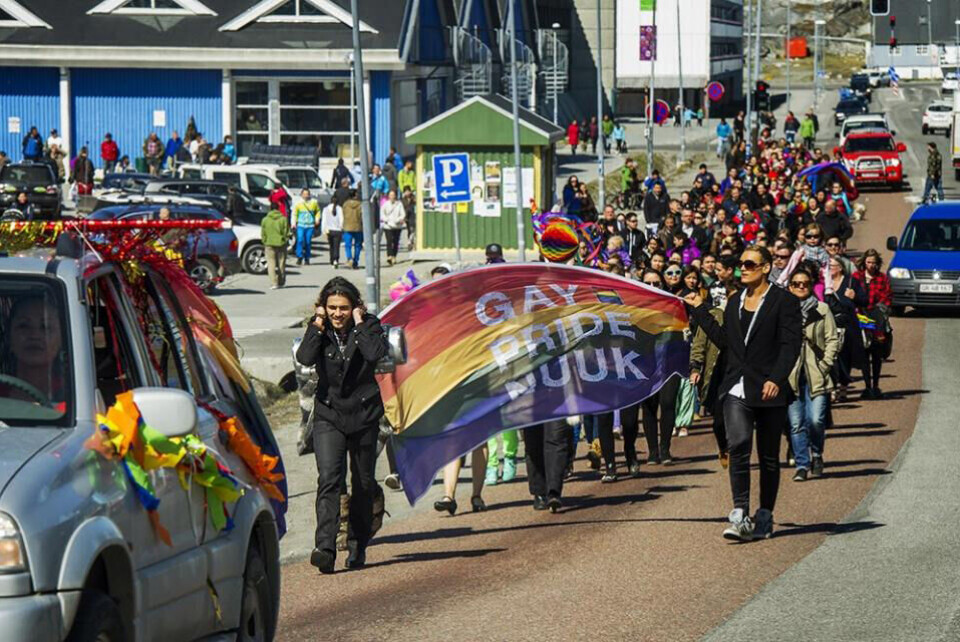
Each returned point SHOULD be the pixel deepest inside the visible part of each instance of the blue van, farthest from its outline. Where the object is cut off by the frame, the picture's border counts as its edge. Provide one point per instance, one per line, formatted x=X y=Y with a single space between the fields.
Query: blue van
x=925 y=270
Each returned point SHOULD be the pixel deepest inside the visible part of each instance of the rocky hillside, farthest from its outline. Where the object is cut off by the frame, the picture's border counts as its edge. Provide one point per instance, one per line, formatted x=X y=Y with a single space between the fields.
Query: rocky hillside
x=844 y=18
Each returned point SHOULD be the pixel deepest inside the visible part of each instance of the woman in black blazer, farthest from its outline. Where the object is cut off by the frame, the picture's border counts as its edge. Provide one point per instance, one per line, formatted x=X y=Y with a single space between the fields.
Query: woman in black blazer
x=344 y=344
x=761 y=337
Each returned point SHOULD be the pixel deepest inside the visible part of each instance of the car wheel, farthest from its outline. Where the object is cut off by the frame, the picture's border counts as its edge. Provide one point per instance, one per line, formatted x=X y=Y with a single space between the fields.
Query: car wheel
x=98 y=620
x=254 y=259
x=255 y=604
x=204 y=274
x=898 y=186
x=925 y=130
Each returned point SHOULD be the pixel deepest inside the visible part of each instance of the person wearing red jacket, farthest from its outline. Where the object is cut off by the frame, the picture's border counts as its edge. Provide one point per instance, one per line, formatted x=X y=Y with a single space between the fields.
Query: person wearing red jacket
x=109 y=152
x=573 y=137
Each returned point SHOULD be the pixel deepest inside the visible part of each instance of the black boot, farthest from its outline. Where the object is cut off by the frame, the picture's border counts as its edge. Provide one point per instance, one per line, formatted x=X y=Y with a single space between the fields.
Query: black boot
x=323 y=560
x=358 y=555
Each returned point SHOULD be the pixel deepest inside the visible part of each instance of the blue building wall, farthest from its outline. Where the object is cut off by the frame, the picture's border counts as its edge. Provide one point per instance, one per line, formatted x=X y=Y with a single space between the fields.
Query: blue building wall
x=123 y=101
x=380 y=116
x=31 y=94
x=432 y=33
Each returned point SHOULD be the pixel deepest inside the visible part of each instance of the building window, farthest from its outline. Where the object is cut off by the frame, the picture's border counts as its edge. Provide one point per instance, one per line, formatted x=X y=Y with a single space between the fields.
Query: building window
x=15 y=15
x=923 y=50
x=315 y=113
x=152 y=8
x=725 y=48
x=295 y=11
x=726 y=12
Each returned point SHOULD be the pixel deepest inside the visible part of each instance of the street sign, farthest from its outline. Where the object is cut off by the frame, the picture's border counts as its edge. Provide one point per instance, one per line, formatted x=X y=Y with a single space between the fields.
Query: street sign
x=661 y=113
x=715 y=91
x=452 y=174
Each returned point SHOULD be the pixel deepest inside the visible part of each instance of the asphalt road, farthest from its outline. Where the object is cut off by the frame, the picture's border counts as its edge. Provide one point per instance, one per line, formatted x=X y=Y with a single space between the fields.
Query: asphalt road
x=643 y=559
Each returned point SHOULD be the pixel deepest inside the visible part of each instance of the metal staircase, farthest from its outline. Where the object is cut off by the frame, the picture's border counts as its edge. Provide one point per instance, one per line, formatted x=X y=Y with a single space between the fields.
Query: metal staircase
x=554 y=72
x=474 y=63
x=526 y=65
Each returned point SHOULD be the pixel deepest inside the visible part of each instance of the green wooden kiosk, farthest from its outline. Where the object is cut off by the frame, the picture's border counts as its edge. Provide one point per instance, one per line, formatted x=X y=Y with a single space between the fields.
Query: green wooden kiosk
x=483 y=127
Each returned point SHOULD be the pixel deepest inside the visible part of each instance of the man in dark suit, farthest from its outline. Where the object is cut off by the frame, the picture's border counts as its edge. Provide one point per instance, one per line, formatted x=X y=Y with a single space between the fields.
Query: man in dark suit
x=761 y=338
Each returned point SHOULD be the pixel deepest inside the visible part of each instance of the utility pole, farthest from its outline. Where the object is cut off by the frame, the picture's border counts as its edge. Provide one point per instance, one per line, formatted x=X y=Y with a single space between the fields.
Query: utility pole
x=930 y=35
x=756 y=75
x=652 y=119
x=746 y=73
x=683 y=116
x=370 y=252
x=521 y=229
x=556 y=90
x=787 y=49
x=600 y=168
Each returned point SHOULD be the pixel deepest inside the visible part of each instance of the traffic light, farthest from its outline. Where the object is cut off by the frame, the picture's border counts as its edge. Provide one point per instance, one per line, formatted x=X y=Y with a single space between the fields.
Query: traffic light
x=879 y=7
x=761 y=96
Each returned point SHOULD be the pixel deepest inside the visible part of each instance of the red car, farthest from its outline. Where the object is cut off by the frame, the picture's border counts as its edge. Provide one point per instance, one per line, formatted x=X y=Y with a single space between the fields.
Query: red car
x=873 y=157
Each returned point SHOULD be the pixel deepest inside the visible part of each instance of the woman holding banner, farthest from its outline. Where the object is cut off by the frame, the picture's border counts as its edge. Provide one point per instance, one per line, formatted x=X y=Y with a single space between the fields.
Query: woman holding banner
x=344 y=344
x=761 y=336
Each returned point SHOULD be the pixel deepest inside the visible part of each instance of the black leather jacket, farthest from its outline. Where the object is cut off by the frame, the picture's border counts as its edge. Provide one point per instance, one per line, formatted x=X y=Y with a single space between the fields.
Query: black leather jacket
x=348 y=397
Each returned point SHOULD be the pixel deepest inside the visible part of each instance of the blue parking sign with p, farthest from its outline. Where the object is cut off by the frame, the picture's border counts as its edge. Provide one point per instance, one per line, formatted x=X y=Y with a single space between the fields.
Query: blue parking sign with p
x=452 y=175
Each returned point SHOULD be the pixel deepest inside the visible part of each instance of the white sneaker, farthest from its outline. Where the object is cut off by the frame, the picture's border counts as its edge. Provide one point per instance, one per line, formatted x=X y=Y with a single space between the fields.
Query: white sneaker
x=740 y=528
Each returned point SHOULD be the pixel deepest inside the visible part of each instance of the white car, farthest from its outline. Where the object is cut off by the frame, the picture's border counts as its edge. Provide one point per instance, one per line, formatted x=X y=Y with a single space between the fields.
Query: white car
x=262 y=178
x=938 y=117
x=878 y=78
x=862 y=121
x=949 y=85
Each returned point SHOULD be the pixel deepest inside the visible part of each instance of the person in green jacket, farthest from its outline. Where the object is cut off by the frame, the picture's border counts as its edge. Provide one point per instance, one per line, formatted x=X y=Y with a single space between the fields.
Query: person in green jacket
x=808 y=131
x=274 y=232
x=407 y=178
x=606 y=126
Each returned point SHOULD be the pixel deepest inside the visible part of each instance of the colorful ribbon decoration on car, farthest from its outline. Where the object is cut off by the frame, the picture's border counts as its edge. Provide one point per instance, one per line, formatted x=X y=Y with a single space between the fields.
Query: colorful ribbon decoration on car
x=513 y=345
x=121 y=435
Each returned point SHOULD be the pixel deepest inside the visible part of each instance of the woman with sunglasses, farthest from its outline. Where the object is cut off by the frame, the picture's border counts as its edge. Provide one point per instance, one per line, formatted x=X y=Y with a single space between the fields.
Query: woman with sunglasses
x=810 y=379
x=871 y=277
x=761 y=335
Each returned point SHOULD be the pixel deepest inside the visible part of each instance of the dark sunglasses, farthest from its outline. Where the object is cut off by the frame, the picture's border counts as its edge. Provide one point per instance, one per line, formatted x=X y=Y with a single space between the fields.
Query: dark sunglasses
x=800 y=284
x=749 y=265
x=782 y=256
x=833 y=245
x=811 y=236
x=673 y=272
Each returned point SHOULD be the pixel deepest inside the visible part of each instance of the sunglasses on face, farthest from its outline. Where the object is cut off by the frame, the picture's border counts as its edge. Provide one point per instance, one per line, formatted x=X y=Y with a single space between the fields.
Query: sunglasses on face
x=749 y=265
x=782 y=257
x=812 y=236
x=673 y=273
x=833 y=245
x=800 y=285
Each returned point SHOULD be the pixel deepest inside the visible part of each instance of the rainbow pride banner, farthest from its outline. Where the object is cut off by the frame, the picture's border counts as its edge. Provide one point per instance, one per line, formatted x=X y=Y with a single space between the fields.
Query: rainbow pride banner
x=513 y=345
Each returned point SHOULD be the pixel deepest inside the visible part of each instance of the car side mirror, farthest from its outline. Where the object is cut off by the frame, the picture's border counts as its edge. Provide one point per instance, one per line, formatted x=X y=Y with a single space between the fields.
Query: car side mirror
x=901 y=147
x=169 y=411
x=892 y=243
x=396 y=350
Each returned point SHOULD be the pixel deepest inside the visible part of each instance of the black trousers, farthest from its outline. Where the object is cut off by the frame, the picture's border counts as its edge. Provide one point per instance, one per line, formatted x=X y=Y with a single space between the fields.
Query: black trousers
x=333 y=239
x=658 y=442
x=629 y=420
x=769 y=423
x=719 y=427
x=393 y=241
x=546 y=449
x=332 y=448
x=871 y=375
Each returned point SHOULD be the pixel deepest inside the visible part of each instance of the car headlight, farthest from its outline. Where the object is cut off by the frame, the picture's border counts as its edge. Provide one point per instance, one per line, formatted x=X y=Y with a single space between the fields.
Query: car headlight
x=12 y=558
x=892 y=162
x=899 y=273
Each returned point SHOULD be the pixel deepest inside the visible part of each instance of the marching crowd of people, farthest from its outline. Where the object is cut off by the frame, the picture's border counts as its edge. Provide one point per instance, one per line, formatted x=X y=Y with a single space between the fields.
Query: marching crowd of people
x=783 y=322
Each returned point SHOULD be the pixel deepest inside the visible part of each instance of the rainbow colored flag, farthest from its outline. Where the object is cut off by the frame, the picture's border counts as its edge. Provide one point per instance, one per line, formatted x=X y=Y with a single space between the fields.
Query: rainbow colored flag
x=513 y=345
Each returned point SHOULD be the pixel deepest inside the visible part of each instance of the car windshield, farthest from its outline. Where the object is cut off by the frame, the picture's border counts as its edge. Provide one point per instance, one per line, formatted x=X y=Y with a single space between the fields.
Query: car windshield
x=869 y=144
x=849 y=126
x=848 y=106
x=942 y=108
x=36 y=385
x=300 y=178
x=932 y=236
x=26 y=174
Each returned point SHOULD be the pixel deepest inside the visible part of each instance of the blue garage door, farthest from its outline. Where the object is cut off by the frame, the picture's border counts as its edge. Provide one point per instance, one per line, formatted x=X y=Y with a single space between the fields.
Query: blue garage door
x=129 y=102
x=32 y=95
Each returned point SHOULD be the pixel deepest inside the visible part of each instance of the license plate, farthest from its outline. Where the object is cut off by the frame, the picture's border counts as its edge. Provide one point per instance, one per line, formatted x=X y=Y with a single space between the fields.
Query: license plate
x=936 y=288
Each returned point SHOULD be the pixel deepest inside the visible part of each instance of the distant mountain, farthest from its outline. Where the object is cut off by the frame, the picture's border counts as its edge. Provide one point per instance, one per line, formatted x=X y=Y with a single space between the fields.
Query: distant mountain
x=844 y=18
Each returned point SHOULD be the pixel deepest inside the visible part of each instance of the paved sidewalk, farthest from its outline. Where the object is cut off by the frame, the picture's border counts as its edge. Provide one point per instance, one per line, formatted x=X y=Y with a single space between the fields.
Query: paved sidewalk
x=890 y=571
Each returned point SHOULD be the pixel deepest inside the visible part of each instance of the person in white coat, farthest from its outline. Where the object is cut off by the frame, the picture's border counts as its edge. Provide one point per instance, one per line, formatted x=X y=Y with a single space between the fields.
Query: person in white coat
x=331 y=225
x=393 y=218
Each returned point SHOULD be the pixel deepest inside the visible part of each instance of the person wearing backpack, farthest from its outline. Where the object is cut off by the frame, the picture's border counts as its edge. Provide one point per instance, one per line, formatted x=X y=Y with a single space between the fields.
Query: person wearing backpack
x=32 y=145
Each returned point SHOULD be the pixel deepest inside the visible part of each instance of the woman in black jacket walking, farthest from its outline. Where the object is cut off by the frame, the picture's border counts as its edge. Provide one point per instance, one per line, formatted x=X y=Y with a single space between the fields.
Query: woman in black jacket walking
x=344 y=343
x=760 y=336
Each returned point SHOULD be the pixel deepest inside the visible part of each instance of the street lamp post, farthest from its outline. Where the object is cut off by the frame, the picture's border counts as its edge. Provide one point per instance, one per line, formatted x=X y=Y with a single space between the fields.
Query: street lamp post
x=956 y=42
x=817 y=59
x=652 y=118
x=555 y=26
x=600 y=168
x=787 y=48
x=683 y=115
x=521 y=229
x=930 y=36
